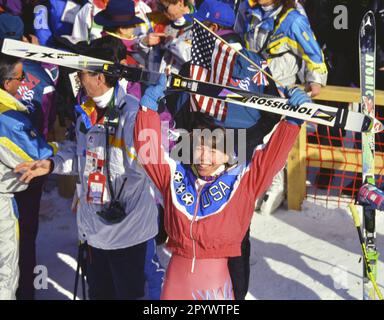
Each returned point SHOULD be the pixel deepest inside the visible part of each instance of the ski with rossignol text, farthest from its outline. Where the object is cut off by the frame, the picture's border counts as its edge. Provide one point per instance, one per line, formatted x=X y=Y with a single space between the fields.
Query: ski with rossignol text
x=367 y=47
x=313 y=112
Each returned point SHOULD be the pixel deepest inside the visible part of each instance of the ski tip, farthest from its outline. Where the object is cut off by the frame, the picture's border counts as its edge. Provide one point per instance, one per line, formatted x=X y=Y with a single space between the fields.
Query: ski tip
x=377 y=126
x=369 y=12
x=368 y=17
x=368 y=20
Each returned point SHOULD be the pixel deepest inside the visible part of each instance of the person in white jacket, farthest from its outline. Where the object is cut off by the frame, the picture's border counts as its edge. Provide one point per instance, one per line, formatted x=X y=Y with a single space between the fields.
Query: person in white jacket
x=117 y=212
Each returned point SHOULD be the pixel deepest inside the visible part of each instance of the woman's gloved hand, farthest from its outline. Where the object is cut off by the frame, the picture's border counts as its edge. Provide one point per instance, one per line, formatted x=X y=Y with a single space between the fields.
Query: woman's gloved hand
x=296 y=97
x=154 y=93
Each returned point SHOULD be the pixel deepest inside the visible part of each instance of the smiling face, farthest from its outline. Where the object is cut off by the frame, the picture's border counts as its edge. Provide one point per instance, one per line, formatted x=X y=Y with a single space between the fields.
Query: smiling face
x=208 y=151
x=207 y=160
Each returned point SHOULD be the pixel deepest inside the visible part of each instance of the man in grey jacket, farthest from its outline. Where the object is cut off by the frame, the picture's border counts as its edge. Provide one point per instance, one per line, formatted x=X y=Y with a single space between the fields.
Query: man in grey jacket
x=116 y=211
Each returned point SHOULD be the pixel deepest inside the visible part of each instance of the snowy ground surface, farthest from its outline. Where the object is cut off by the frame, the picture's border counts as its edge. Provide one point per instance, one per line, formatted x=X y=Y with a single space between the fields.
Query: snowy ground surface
x=313 y=254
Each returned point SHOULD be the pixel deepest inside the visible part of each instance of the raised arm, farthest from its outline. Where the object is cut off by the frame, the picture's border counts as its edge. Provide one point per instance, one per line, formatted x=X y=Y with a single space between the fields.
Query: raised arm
x=147 y=137
x=270 y=158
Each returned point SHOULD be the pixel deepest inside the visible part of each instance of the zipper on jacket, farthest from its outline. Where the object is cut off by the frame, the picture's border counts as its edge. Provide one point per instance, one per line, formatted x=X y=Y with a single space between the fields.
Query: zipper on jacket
x=190 y=232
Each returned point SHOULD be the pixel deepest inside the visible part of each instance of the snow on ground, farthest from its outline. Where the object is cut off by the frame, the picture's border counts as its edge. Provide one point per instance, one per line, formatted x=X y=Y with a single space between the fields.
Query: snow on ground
x=313 y=254
x=57 y=246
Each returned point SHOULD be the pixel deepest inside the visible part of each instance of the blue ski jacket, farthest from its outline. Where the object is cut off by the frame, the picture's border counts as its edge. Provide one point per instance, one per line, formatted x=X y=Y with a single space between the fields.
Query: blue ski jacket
x=285 y=40
x=19 y=142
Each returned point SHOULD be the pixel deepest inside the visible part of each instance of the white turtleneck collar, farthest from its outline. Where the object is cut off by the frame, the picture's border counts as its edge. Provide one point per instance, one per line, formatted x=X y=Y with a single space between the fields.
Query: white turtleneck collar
x=180 y=22
x=268 y=8
x=103 y=100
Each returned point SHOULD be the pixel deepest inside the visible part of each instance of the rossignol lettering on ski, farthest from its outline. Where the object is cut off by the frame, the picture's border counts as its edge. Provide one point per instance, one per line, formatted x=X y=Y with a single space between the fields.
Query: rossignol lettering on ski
x=320 y=114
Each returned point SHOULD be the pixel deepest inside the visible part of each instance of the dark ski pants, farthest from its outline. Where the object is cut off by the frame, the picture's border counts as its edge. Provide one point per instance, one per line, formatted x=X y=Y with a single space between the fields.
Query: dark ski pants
x=154 y=271
x=116 y=274
x=28 y=203
x=239 y=269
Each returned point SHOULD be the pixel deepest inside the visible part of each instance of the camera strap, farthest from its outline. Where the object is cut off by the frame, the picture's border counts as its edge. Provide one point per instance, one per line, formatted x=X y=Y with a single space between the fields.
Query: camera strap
x=108 y=173
x=111 y=122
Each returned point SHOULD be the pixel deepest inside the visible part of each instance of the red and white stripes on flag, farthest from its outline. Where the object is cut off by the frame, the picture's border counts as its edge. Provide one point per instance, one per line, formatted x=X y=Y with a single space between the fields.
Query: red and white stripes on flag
x=212 y=61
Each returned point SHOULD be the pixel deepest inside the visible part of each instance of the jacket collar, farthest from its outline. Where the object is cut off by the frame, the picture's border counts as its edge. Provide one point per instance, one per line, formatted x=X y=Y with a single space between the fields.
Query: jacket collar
x=9 y=102
x=119 y=94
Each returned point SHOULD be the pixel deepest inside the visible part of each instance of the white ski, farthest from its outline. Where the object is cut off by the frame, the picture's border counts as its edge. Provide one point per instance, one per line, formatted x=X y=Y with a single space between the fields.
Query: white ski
x=313 y=112
x=316 y=113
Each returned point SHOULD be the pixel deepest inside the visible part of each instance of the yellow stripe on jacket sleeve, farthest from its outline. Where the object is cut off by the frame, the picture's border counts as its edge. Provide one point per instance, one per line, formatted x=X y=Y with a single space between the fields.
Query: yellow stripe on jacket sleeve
x=14 y=148
x=299 y=30
x=54 y=146
x=311 y=65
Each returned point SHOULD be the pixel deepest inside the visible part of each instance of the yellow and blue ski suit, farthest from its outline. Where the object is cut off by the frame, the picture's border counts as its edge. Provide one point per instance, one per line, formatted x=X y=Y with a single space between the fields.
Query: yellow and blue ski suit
x=284 y=42
x=19 y=142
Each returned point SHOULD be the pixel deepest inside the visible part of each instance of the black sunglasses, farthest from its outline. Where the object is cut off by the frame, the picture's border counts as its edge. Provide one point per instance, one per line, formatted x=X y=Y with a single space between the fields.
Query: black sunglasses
x=21 y=78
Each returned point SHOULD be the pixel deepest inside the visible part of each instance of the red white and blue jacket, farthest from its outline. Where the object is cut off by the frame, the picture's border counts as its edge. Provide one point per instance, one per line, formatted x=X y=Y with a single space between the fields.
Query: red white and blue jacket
x=210 y=223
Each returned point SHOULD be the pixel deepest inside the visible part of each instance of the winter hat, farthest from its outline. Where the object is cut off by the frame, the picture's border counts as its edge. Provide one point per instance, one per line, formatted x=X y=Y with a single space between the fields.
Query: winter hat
x=11 y=26
x=216 y=12
x=118 y=13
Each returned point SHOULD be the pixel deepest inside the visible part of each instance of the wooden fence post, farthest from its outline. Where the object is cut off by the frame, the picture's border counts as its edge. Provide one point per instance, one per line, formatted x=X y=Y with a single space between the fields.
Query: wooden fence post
x=296 y=172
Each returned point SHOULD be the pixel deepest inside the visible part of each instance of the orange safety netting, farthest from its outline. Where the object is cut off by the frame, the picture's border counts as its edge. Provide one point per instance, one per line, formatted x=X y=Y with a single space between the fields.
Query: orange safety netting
x=334 y=164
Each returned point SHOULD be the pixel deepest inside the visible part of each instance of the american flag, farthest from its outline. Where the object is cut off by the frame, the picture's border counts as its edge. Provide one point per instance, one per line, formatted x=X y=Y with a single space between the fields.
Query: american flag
x=212 y=61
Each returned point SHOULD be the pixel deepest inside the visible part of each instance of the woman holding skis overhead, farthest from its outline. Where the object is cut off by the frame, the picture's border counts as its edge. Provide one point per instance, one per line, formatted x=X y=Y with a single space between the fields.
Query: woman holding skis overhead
x=209 y=203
